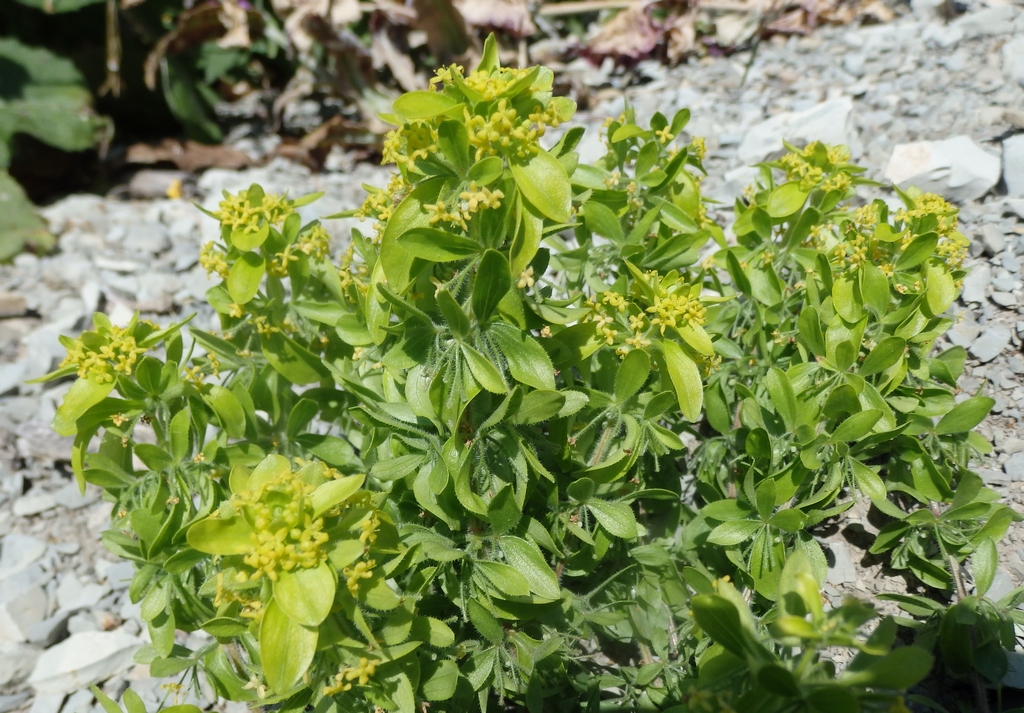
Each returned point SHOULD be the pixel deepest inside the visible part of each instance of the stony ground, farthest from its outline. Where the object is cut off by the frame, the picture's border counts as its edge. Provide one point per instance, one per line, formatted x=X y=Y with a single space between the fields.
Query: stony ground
x=921 y=100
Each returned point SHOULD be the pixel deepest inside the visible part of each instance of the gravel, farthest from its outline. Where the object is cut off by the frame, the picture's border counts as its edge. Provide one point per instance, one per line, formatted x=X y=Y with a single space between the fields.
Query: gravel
x=918 y=100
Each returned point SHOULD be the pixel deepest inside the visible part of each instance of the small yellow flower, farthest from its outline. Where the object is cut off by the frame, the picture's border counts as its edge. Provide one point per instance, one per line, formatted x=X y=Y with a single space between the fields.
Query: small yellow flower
x=664 y=135
x=525 y=279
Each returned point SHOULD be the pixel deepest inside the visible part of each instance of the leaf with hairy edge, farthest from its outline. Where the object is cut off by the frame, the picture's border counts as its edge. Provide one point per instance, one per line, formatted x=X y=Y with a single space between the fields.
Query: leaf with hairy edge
x=493 y=280
x=965 y=415
x=528 y=560
x=527 y=361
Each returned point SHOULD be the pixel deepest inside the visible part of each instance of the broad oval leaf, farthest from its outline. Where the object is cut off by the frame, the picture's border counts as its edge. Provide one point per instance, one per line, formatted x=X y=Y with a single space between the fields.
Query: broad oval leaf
x=424 y=105
x=245 y=277
x=437 y=245
x=886 y=353
x=82 y=396
x=216 y=536
x=528 y=560
x=545 y=184
x=286 y=648
x=786 y=200
x=685 y=378
x=965 y=415
x=632 y=374
x=617 y=518
x=334 y=492
x=306 y=594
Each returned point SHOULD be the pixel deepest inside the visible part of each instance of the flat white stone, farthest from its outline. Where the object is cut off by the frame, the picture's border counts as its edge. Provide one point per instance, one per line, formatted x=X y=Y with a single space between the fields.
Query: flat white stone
x=957 y=168
x=83 y=659
x=827 y=122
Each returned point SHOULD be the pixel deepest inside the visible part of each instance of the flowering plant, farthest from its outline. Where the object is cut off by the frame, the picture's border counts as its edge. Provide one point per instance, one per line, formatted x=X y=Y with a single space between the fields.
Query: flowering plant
x=544 y=432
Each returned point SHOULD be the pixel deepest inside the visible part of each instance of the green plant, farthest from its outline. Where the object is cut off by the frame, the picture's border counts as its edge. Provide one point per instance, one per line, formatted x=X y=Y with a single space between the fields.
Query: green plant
x=43 y=96
x=450 y=467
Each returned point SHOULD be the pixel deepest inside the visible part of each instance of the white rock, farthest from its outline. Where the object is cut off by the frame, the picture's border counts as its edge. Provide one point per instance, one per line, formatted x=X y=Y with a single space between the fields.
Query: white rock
x=33 y=504
x=957 y=168
x=1013 y=60
x=20 y=613
x=48 y=703
x=842 y=571
x=978 y=278
x=16 y=662
x=827 y=122
x=72 y=593
x=1013 y=160
x=991 y=342
x=11 y=375
x=83 y=659
x=17 y=552
x=990 y=21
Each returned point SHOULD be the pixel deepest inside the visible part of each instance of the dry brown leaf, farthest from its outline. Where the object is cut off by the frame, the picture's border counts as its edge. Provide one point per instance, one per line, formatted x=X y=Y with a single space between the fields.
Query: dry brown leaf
x=447 y=34
x=631 y=35
x=338 y=13
x=312 y=149
x=385 y=54
x=187 y=155
x=236 y=20
x=510 y=16
x=681 y=35
x=195 y=26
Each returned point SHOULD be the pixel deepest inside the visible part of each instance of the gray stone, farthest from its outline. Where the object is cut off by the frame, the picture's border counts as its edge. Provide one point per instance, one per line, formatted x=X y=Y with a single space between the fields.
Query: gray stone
x=70 y=496
x=1014 y=467
x=16 y=662
x=975 y=284
x=118 y=575
x=957 y=168
x=842 y=570
x=33 y=504
x=990 y=21
x=1014 y=677
x=827 y=122
x=17 y=552
x=22 y=611
x=83 y=659
x=154 y=183
x=991 y=342
x=15 y=700
x=32 y=576
x=992 y=239
x=1004 y=299
x=48 y=632
x=1013 y=165
x=12 y=304
x=73 y=594
x=82 y=623
x=47 y=703
x=12 y=375
x=1013 y=60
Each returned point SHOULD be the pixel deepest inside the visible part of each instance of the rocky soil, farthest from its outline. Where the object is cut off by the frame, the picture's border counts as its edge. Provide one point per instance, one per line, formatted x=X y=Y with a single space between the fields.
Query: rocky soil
x=920 y=101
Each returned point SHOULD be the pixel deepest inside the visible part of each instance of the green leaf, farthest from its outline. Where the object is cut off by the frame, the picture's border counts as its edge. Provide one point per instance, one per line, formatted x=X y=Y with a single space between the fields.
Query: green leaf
x=413 y=106
x=286 y=648
x=983 y=565
x=685 y=378
x=919 y=250
x=486 y=170
x=82 y=396
x=505 y=578
x=538 y=406
x=440 y=684
x=809 y=325
x=617 y=518
x=180 y=429
x=528 y=560
x=786 y=200
x=493 y=281
x=632 y=374
x=245 y=277
x=899 y=669
x=243 y=239
x=293 y=361
x=395 y=262
x=733 y=532
x=601 y=220
x=484 y=622
x=845 y=298
x=720 y=620
x=453 y=313
x=437 y=245
x=334 y=493
x=856 y=426
x=306 y=594
x=940 y=290
x=527 y=361
x=485 y=373
x=217 y=536
x=526 y=242
x=783 y=397
x=228 y=409
x=965 y=415
x=886 y=353
x=453 y=141
x=545 y=184
x=868 y=481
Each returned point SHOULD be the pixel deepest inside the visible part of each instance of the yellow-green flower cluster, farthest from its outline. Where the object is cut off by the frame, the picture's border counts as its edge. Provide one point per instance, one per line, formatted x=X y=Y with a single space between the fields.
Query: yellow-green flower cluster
x=409 y=142
x=104 y=354
x=953 y=245
x=379 y=204
x=286 y=535
x=462 y=209
x=238 y=213
x=677 y=309
x=505 y=132
x=212 y=259
x=801 y=166
x=343 y=679
x=315 y=243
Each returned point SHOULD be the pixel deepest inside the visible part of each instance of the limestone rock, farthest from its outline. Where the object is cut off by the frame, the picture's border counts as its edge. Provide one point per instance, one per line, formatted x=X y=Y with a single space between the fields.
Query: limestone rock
x=83 y=659
x=827 y=122
x=956 y=168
